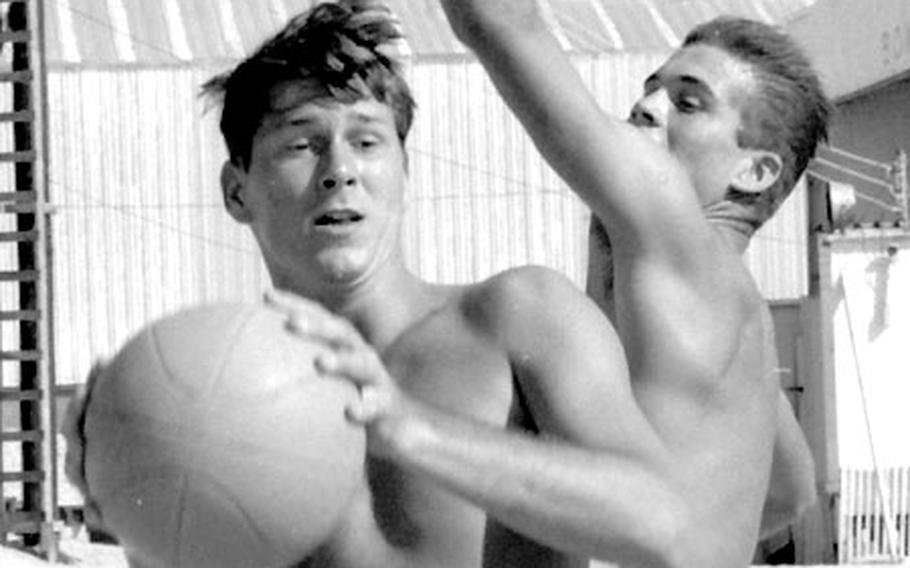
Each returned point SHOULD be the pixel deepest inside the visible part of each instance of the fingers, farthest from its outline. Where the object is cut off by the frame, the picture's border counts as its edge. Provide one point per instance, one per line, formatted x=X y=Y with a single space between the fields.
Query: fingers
x=361 y=365
x=73 y=429
x=372 y=404
x=311 y=320
x=73 y=466
x=348 y=357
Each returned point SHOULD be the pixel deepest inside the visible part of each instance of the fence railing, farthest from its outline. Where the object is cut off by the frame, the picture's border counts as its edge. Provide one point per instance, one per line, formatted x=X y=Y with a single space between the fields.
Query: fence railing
x=874 y=515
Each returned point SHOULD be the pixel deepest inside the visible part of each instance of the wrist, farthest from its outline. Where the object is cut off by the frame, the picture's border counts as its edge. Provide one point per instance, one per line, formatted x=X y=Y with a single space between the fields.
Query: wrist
x=409 y=436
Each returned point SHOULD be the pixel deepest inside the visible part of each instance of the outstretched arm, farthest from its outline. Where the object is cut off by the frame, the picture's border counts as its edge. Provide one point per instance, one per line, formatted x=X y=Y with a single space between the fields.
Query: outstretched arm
x=658 y=232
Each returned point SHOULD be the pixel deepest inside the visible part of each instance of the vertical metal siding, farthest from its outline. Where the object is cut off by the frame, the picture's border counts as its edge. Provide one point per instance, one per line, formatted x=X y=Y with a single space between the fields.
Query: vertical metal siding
x=479 y=190
x=779 y=253
x=139 y=228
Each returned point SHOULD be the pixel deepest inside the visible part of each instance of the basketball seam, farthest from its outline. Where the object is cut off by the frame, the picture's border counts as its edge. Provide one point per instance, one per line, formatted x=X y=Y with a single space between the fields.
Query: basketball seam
x=168 y=369
x=249 y=313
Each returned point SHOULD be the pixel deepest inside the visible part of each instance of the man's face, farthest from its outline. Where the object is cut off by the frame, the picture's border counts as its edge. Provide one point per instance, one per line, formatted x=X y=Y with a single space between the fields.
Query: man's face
x=692 y=105
x=323 y=190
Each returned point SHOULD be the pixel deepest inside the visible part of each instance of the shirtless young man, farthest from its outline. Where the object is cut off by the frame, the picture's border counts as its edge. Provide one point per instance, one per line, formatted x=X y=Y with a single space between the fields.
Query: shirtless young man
x=316 y=123
x=716 y=143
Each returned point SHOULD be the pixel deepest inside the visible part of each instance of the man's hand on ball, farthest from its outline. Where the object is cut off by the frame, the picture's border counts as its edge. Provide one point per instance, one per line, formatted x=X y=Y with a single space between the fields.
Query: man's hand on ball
x=382 y=407
x=73 y=429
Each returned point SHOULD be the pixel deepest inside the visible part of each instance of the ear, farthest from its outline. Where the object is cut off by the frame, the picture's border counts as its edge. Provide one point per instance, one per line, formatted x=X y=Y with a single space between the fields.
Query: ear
x=758 y=171
x=232 y=189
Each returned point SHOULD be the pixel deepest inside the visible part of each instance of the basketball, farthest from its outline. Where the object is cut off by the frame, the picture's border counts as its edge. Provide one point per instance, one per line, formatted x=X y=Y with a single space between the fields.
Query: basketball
x=212 y=441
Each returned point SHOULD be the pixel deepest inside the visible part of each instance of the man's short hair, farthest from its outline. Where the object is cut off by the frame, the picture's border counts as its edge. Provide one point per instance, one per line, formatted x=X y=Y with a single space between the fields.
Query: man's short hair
x=789 y=113
x=347 y=50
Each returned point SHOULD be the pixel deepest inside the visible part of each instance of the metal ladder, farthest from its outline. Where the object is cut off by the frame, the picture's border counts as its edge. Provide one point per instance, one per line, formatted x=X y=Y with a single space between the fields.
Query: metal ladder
x=27 y=430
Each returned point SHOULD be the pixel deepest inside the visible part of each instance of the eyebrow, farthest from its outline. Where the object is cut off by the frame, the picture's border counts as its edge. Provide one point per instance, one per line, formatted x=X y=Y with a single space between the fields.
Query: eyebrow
x=687 y=80
x=284 y=119
x=650 y=79
x=366 y=117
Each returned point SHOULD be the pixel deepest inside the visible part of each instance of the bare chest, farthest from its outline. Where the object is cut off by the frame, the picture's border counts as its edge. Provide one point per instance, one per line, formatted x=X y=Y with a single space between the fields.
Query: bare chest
x=460 y=372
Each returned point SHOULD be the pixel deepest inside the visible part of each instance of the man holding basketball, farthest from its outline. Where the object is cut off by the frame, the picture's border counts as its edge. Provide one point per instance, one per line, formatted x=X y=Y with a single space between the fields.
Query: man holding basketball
x=484 y=393
x=319 y=176
x=315 y=122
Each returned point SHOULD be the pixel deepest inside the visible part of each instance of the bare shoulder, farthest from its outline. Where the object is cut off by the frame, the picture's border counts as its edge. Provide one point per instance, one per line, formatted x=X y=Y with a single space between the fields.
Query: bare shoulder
x=535 y=312
x=517 y=294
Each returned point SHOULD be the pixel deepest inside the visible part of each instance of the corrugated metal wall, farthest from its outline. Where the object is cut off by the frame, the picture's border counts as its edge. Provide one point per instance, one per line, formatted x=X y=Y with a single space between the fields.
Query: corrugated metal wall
x=139 y=228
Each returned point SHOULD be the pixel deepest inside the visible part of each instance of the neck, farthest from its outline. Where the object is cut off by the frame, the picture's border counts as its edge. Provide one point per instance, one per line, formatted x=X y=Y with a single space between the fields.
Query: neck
x=735 y=222
x=380 y=307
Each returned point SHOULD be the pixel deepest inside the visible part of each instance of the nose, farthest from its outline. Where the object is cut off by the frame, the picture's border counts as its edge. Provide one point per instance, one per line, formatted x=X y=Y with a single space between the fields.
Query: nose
x=339 y=169
x=650 y=110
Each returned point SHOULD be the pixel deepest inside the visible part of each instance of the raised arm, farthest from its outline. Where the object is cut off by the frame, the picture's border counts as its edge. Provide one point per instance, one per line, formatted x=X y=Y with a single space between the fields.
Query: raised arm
x=627 y=179
x=685 y=295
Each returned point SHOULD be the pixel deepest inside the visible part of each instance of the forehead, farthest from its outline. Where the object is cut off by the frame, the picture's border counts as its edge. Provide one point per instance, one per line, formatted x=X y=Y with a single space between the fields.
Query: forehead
x=708 y=67
x=308 y=101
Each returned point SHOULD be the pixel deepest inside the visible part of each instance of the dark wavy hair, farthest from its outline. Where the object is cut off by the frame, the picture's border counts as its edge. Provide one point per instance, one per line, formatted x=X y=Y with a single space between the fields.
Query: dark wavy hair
x=348 y=50
x=788 y=114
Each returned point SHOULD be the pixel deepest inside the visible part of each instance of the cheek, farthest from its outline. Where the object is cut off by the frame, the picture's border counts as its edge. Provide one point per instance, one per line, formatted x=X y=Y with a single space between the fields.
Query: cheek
x=387 y=185
x=280 y=188
x=701 y=147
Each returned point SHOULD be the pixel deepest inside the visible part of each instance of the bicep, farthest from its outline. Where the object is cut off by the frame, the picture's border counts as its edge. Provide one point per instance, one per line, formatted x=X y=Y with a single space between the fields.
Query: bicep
x=571 y=367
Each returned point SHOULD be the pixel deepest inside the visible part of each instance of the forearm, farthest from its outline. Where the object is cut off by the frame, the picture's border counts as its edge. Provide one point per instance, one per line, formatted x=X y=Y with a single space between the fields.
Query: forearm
x=792 y=486
x=616 y=507
x=478 y=22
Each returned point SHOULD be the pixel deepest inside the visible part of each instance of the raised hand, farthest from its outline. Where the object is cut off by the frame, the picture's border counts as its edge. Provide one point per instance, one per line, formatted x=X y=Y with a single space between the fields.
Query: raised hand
x=74 y=432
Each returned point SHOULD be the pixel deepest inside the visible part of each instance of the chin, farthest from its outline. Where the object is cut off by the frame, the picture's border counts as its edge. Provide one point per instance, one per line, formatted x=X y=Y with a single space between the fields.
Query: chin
x=344 y=269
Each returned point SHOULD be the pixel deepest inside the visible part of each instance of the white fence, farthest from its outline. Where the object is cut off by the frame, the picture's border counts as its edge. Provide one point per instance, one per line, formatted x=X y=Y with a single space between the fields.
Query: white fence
x=874 y=515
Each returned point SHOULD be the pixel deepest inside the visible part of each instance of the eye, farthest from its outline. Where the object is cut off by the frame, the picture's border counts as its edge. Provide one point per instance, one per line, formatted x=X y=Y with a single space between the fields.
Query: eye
x=688 y=103
x=300 y=145
x=367 y=141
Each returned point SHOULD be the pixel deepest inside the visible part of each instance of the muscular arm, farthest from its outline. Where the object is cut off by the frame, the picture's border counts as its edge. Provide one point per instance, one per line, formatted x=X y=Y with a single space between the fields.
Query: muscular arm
x=673 y=272
x=610 y=507
x=597 y=482
x=678 y=310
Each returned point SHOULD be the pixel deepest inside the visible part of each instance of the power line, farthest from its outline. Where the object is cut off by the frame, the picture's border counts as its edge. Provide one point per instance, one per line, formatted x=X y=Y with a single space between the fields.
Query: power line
x=131 y=212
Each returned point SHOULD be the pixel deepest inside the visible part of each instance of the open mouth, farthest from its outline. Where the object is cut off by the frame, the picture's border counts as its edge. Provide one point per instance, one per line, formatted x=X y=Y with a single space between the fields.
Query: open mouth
x=338 y=218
